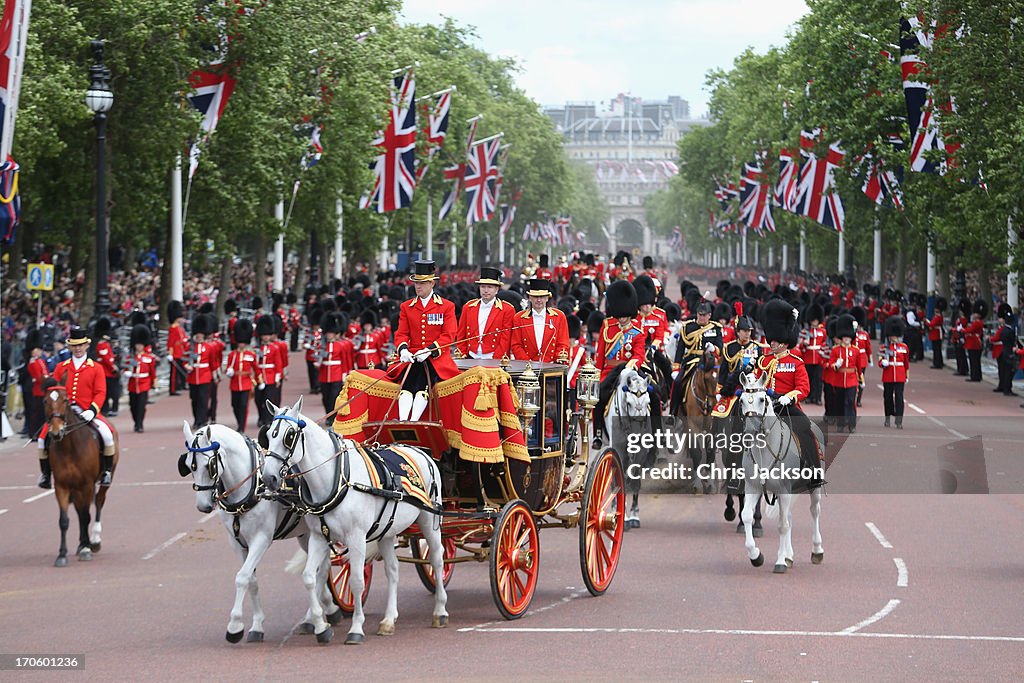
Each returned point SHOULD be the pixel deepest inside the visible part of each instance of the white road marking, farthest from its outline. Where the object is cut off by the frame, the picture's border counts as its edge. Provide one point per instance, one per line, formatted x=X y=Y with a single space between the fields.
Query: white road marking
x=746 y=632
x=901 y=569
x=3 y=511
x=915 y=408
x=165 y=545
x=179 y=482
x=947 y=428
x=874 y=618
x=32 y=499
x=878 y=534
x=485 y=625
x=206 y=518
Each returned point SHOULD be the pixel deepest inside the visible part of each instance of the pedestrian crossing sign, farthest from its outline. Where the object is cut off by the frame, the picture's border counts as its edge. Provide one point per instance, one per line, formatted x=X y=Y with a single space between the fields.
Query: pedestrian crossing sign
x=40 y=276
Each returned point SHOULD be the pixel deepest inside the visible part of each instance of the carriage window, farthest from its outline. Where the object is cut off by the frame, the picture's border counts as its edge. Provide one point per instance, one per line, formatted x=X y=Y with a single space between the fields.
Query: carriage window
x=554 y=394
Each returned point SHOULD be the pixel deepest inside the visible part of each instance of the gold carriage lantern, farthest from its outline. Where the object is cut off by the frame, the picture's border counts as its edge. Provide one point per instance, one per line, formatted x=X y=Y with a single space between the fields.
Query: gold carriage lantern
x=588 y=385
x=528 y=388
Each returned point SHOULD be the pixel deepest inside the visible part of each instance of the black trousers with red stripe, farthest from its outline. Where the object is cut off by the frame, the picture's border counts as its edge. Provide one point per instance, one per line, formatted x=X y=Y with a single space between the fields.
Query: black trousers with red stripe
x=240 y=407
x=200 y=395
x=137 y=404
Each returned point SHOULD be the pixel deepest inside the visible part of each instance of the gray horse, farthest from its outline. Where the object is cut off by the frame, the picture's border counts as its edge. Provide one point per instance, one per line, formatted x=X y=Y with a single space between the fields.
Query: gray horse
x=629 y=412
x=767 y=464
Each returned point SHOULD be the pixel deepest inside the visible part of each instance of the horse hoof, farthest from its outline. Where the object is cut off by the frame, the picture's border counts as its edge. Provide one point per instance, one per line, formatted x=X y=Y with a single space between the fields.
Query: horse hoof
x=385 y=629
x=730 y=514
x=817 y=558
x=757 y=532
x=254 y=637
x=95 y=547
x=233 y=637
x=325 y=636
x=306 y=628
x=627 y=526
x=708 y=488
x=739 y=528
x=440 y=621
x=636 y=523
x=84 y=555
x=789 y=562
x=336 y=618
x=61 y=561
x=780 y=569
x=759 y=560
x=354 y=639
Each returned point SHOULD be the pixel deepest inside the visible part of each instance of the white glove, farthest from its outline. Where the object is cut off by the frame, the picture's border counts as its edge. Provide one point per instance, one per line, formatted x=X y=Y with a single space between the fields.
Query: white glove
x=709 y=347
x=170 y=358
x=405 y=356
x=261 y=386
x=88 y=414
x=421 y=355
x=675 y=373
x=127 y=373
x=230 y=372
x=785 y=400
x=885 y=363
x=838 y=364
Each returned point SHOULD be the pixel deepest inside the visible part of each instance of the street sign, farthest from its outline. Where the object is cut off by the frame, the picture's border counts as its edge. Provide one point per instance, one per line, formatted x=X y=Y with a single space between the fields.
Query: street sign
x=40 y=276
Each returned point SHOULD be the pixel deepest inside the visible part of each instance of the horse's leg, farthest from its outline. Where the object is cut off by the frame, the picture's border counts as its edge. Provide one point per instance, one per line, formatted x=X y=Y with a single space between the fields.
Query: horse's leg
x=747 y=515
x=431 y=529
x=387 y=552
x=96 y=528
x=634 y=510
x=356 y=542
x=785 y=528
x=62 y=503
x=311 y=577
x=758 y=529
x=82 y=507
x=817 y=551
x=235 y=623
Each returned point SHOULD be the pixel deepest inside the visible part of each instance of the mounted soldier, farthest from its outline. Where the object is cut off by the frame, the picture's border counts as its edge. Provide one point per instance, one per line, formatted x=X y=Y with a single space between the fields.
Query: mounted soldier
x=697 y=335
x=620 y=346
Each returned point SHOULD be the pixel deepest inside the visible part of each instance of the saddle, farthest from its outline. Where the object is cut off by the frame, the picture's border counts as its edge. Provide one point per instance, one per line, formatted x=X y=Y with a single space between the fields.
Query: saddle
x=394 y=471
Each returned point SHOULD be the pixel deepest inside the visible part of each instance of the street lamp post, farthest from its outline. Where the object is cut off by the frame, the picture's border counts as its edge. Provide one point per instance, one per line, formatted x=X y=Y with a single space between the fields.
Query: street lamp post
x=99 y=98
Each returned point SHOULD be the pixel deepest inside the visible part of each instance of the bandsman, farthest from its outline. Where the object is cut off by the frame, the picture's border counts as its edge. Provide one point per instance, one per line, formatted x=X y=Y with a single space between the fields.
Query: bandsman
x=936 y=332
x=200 y=365
x=177 y=346
x=973 y=333
x=140 y=374
x=242 y=372
x=270 y=368
x=38 y=372
x=107 y=360
x=313 y=345
x=370 y=352
x=337 y=360
x=813 y=350
x=894 y=359
x=845 y=360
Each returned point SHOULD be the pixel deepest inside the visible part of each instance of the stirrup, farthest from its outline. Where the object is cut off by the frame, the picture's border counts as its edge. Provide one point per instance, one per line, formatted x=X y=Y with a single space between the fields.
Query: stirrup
x=105 y=478
x=44 y=482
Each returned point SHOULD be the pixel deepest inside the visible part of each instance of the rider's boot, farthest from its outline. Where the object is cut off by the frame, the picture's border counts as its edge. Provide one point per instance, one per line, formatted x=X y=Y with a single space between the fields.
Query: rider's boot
x=404 y=405
x=44 y=478
x=106 y=466
x=419 y=404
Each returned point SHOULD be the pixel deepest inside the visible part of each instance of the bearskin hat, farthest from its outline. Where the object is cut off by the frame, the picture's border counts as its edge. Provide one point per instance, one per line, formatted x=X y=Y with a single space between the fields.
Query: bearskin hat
x=206 y=308
x=846 y=326
x=230 y=306
x=276 y=300
x=673 y=312
x=243 y=331
x=860 y=315
x=575 y=326
x=779 y=320
x=830 y=327
x=815 y=312
x=264 y=325
x=981 y=308
x=332 y=323
x=646 y=290
x=621 y=300
x=721 y=288
x=1004 y=311
x=585 y=290
x=175 y=310
x=544 y=261
x=141 y=335
x=648 y=263
x=201 y=324
x=893 y=326
x=620 y=257
x=722 y=311
x=941 y=304
x=594 y=322
x=686 y=286
x=257 y=304
x=514 y=298
x=34 y=339
x=138 y=318
x=103 y=327
x=368 y=318
x=291 y=298
x=314 y=316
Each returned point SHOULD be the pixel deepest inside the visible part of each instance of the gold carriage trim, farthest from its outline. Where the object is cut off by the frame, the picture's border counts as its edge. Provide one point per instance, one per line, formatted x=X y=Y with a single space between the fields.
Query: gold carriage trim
x=508 y=420
x=480 y=424
x=479 y=412
x=355 y=383
x=350 y=428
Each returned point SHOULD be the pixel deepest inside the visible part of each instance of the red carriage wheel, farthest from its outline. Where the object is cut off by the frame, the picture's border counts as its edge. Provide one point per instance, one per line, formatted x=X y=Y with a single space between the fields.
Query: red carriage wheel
x=602 y=514
x=515 y=559
x=338 y=582
x=421 y=551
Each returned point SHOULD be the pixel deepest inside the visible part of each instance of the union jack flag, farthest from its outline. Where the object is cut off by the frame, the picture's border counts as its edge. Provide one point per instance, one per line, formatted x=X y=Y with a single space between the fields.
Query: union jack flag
x=755 y=206
x=212 y=90
x=785 y=188
x=480 y=180
x=508 y=213
x=676 y=242
x=13 y=38
x=879 y=182
x=502 y=160
x=725 y=194
x=922 y=116
x=316 y=149
x=456 y=174
x=394 y=169
x=437 y=128
x=10 y=201
x=817 y=197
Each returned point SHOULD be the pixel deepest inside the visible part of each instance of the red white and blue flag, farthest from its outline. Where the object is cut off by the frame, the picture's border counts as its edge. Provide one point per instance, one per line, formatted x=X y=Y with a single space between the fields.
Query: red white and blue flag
x=456 y=173
x=481 y=180
x=13 y=38
x=817 y=197
x=676 y=242
x=212 y=90
x=10 y=201
x=922 y=114
x=316 y=148
x=437 y=128
x=755 y=199
x=880 y=183
x=785 y=188
x=394 y=169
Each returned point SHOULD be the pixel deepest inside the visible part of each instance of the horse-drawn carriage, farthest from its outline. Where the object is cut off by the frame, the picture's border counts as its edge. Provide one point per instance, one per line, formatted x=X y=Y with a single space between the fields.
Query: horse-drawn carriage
x=517 y=463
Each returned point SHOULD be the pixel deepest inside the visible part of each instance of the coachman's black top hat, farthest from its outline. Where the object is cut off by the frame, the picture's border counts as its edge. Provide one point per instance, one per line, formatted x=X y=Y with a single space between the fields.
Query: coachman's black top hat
x=424 y=271
x=77 y=336
x=490 y=276
x=539 y=287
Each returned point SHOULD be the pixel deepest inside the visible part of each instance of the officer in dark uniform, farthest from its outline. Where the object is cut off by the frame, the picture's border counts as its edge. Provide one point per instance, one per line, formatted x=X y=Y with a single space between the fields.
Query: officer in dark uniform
x=695 y=336
x=1007 y=361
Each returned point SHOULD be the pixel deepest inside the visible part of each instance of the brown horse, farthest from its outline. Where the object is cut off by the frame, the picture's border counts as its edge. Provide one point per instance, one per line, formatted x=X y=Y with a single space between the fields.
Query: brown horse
x=699 y=401
x=74 y=451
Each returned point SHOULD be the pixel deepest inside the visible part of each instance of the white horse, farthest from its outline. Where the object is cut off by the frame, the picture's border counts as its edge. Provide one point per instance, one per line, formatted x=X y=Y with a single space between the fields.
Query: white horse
x=335 y=486
x=774 y=451
x=672 y=340
x=226 y=475
x=629 y=412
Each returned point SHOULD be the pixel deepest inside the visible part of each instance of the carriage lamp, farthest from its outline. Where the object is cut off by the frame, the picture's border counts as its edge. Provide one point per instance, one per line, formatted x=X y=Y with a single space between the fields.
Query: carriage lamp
x=528 y=388
x=588 y=384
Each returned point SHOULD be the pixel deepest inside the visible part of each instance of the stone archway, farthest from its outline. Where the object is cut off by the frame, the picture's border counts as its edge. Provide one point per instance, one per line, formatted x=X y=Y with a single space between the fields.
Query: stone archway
x=629 y=234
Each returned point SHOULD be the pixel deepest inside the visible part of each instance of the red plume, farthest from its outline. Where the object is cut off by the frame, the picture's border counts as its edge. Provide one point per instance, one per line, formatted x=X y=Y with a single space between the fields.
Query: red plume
x=738 y=307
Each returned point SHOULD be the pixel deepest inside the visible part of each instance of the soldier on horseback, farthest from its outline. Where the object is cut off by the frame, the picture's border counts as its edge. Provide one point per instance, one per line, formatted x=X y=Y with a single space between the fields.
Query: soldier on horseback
x=697 y=333
x=86 y=386
x=620 y=345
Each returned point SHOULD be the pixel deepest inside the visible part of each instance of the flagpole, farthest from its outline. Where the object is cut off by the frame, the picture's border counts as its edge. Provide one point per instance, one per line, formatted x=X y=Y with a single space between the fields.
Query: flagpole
x=339 y=240
x=177 y=232
x=842 y=254
x=1012 y=291
x=469 y=244
x=501 y=244
x=430 y=229
x=785 y=258
x=876 y=269
x=450 y=88
x=279 y=249
x=291 y=204
x=803 y=249
x=929 y=287
x=455 y=249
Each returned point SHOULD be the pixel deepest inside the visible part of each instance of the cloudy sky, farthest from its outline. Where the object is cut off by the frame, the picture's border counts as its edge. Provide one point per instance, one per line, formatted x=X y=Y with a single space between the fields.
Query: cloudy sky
x=573 y=50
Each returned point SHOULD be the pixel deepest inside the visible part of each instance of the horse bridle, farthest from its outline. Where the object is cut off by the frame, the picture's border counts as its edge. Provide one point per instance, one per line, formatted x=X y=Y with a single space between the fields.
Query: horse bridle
x=65 y=429
x=213 y=465
x=776 y=459
x=290 y=440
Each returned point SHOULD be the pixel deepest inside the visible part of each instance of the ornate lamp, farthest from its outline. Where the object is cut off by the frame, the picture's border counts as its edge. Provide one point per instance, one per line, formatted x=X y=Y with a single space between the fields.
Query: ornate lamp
x=528 y=389
x=588 y=385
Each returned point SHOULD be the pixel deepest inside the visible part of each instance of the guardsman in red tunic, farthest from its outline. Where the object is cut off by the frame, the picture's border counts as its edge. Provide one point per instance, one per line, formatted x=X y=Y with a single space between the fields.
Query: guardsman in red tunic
x=723 y=316
x=177 y=346
x=37 y=370
x=242 y=372
x=562 y=272
x=936 y=332
x=336 y=362
x=282 y=345
x=845 y=359
x=485 y=328
x=787 y=377
x=973 y=333
x=87 y=390
x=107 y=361
x=202 y=363
x=540 y=333
x=651 y=320
x=813 y=351
x=544 y=270
x=894 y=359
x=231 y=311
x=140 y=373
x=423 y=341
x=269 y=367
x=370 y=353
x=620 y=346
x=294 y=321
x=863 y=341
x=313 y=344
